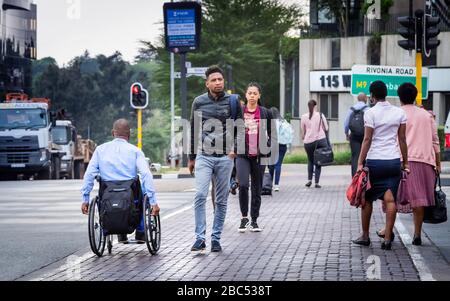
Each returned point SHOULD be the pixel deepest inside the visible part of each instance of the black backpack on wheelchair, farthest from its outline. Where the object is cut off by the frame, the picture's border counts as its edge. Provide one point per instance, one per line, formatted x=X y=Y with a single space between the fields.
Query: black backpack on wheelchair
x=120 y=206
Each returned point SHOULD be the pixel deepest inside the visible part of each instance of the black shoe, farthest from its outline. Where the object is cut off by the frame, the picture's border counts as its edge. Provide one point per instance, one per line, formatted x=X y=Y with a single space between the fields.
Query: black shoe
x=122 y=238
x=417 y=241
x=198 y=246
x=139 y=237
x=318 y=186
x=254 y=227
x=382 y=235
x=233 y=188
x=362 y=242
x=308 y=184
x=244 y=225
x=386 y=245
x=215 y=246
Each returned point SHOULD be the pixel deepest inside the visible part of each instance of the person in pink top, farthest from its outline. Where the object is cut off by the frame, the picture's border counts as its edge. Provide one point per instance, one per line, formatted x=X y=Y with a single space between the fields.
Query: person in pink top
x=314 y=126
x=423 y=157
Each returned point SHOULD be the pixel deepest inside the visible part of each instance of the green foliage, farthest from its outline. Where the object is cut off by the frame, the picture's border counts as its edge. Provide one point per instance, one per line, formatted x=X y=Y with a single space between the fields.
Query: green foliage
x=385 y=6
x=441 y=135
x=155 y=136
x=289 y=48
x=240 y=34
x=340 y=158
x=94 y=91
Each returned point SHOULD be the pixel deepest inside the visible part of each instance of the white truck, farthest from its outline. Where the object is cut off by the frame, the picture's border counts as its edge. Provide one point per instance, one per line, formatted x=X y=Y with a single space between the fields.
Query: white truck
x=26 y=146
x=77 y=152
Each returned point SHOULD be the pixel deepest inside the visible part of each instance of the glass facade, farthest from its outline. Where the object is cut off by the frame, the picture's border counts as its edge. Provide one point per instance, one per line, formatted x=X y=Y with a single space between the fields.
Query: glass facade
x=17 y=45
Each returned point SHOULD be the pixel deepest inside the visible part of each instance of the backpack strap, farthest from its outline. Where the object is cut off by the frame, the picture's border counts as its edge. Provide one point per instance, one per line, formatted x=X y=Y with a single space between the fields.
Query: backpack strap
x=234 y=106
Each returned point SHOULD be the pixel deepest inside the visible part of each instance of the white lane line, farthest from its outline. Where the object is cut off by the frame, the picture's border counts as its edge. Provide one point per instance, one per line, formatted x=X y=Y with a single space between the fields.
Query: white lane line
x=418 y=260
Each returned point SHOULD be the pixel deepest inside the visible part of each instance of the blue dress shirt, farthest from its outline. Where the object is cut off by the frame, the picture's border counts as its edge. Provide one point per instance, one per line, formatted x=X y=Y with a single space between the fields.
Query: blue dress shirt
x=118 y=160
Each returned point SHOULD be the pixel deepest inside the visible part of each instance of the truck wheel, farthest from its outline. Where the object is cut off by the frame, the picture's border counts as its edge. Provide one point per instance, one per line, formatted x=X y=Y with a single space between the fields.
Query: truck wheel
x=46 y=174
x=78 y=170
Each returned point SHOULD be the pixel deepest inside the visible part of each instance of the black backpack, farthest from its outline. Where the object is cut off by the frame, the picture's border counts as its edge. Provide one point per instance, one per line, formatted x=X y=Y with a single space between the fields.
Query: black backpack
x=119 y=214
x=356 y=124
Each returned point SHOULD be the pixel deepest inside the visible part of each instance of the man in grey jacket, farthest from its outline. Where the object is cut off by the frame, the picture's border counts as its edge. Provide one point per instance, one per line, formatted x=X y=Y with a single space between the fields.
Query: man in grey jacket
x=213 y=149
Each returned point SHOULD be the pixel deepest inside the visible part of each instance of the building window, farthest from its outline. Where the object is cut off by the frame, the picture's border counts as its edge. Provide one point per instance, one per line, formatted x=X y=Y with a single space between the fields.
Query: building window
x=329 y=106
x=336 y=53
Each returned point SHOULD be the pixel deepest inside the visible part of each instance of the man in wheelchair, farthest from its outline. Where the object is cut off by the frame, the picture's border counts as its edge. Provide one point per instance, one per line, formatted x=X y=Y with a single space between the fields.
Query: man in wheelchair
x=118 y=163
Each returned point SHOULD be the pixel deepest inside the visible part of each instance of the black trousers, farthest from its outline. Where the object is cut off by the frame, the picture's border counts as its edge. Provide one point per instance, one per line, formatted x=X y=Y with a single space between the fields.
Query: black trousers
x=355 y=146
x=249 y=167
x=313 y=168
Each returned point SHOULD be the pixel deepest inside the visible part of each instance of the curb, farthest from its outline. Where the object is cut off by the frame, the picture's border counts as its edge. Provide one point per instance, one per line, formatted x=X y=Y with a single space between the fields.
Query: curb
x=172 y=176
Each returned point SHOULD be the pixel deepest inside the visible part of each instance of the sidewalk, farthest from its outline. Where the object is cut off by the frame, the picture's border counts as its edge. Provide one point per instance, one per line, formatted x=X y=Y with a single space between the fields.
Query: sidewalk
x=306 y=236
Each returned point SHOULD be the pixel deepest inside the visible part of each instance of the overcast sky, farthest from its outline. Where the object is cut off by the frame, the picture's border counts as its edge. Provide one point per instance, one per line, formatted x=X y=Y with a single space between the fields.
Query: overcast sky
x=68 y=27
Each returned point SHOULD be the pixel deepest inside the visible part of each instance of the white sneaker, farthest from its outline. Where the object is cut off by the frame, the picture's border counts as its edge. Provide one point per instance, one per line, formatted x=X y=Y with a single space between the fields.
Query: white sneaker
x=276 y=188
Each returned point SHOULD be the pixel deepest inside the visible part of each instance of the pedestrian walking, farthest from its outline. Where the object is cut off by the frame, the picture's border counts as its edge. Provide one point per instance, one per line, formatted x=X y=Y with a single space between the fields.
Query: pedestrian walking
x=354 y=128
x=213 y=150
x=385 y=131
x=423 y=158
x=314 y=127
x=249 y=163
x=285 y=134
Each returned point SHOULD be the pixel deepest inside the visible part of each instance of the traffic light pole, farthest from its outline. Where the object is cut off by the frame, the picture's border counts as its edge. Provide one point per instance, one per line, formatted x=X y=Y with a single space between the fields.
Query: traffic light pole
x=419 y=49
x=419 y=78
x=139 y=128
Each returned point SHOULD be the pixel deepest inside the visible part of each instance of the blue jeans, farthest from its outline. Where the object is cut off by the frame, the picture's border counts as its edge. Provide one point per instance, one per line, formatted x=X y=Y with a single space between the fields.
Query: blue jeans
x=277 y=167
x=205 y=168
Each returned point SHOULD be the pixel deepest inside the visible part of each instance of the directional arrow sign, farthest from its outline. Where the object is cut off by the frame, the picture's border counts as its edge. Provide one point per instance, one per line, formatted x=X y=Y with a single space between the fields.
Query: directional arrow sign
x=392 y=76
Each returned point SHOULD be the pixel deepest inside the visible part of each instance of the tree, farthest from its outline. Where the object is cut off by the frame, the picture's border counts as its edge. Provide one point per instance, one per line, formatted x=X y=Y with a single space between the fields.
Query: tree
x=240 y=34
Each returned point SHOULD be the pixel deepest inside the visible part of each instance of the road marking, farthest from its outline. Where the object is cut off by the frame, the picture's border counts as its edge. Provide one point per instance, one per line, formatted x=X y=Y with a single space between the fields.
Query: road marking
x=418 y=260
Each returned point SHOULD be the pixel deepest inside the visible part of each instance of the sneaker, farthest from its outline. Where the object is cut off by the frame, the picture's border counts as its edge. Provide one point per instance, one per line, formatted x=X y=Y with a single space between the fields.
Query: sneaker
x=234 y=186
x=254 y=227
x=122 y=238
x=244 y=225
x=198 y=246
x=215 y=246
x=308 y=184
x=318 y=186
x=276 y=187
x=139 y=237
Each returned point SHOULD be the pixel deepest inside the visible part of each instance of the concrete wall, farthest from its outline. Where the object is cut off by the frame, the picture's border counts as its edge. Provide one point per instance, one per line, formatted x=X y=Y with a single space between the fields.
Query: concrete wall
x=442 y=52
x=315 y=54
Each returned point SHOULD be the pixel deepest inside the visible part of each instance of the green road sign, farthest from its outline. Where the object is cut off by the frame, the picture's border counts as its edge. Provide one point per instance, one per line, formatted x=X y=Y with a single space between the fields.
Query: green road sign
x=392 y=76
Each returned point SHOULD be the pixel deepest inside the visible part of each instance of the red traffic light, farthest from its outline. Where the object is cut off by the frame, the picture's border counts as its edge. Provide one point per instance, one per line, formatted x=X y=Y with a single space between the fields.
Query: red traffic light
x=136 y=89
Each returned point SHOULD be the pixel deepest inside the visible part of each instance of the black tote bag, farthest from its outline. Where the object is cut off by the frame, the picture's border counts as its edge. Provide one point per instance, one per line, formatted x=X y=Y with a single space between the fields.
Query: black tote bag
x=438 y=213
x=324 y=156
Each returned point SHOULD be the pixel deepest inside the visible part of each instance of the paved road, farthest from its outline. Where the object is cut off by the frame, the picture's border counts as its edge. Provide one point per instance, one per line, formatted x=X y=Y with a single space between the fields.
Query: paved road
x=40 y=221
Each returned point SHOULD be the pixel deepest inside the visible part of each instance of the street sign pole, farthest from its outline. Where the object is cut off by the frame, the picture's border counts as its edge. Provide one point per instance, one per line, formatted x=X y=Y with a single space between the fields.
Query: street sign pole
x=139 y=133
x=172 y=110
x=183 y=97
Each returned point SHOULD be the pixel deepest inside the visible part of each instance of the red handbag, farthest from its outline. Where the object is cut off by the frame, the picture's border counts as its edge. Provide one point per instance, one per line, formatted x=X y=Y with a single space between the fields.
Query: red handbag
x=357 y=190
x=403 y=193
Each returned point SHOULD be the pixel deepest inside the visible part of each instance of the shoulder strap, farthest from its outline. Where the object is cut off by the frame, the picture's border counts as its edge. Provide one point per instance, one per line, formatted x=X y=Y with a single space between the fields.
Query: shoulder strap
x=234 y=106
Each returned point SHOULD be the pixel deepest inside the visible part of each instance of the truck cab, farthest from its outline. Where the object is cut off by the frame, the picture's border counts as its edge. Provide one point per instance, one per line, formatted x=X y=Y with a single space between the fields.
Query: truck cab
x=64 y=135
x=25 y=140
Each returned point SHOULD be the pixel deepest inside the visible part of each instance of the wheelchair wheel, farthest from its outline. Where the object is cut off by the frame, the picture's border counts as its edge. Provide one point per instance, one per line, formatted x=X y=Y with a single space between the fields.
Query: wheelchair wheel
x=110 y=243
x=152 y=229
x=97 y=239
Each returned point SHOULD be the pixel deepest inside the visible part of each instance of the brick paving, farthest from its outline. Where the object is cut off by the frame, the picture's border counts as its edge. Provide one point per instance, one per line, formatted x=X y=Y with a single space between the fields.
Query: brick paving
x=306 y=236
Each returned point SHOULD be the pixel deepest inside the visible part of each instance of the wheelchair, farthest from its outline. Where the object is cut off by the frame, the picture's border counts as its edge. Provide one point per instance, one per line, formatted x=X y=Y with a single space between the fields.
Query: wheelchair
x=99 y=239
